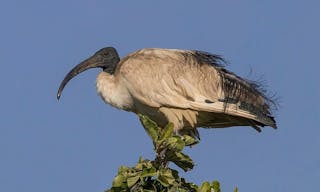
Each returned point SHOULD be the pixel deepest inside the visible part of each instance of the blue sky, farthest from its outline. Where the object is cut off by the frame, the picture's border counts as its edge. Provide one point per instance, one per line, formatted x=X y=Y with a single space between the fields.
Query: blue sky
x=78 y=143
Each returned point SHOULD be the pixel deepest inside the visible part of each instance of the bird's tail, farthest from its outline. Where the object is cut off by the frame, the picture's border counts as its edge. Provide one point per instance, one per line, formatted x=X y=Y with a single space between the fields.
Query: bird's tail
x=218 y=115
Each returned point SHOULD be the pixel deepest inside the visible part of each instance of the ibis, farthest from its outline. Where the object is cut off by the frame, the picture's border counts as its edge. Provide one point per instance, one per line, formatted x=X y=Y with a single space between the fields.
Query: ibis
x=189 y=88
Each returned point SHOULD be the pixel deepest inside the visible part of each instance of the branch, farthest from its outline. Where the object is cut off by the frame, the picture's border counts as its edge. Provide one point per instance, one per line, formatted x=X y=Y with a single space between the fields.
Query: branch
x=156 y=175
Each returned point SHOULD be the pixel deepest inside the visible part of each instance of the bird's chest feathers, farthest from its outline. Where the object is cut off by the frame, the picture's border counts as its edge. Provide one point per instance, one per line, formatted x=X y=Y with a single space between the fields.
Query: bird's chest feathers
x=113 y=92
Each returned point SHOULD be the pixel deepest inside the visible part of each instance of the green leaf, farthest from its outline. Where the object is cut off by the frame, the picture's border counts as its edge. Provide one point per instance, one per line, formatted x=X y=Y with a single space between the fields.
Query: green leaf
x=148 y=172
x=139 y=166
x=205 y=187
x=191 y=187
x=147 y=176
x=123 y=169
x=175 y=174
x=141 y=159
x=175 y=189
x=132 y=180
x=216 y=186
x=163 y=181
x=168 y=174
x=119 y=181
x=189 y=140
x=148 y=164
x=181 y=160
x=236 y=189
x=165 y=177
x=175 y=143
x=148 y=190
x=150 y=126
x=167 y=131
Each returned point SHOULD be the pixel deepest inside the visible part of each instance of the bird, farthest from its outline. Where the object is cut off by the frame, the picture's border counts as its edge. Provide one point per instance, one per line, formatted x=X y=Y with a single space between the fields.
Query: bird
x=191 y=89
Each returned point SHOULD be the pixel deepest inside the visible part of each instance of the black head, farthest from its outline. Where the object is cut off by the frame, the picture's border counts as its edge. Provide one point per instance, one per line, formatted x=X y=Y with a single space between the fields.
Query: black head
x=106 y=58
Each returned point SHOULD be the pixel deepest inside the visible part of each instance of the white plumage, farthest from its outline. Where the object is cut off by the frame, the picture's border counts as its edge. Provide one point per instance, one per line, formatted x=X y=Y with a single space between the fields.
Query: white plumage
x=188 y=88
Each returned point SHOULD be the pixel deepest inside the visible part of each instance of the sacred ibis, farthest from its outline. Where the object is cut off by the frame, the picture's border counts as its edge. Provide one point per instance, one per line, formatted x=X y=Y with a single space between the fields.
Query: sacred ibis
x=188 y=88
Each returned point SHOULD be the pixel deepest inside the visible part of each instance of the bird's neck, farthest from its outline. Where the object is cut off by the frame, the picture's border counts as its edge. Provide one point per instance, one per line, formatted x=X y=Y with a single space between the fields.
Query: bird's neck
x=113 y=91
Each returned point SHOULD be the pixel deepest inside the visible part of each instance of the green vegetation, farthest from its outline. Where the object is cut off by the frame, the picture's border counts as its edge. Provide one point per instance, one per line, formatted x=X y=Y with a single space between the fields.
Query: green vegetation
x=156 y=175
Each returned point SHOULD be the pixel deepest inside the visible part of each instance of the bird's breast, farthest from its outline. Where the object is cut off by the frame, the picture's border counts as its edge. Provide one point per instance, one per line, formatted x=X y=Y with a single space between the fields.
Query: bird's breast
x=114 y=92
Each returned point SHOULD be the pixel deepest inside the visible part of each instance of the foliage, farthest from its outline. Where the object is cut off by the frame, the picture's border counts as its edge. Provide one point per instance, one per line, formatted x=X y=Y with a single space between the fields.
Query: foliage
x=156 y=175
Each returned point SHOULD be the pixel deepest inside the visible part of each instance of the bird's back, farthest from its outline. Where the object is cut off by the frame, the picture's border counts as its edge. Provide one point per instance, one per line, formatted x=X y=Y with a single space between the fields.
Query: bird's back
x=196 y=81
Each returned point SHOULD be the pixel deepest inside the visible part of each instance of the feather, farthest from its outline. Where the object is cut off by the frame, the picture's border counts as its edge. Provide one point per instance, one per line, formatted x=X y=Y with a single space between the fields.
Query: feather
x=249 y=94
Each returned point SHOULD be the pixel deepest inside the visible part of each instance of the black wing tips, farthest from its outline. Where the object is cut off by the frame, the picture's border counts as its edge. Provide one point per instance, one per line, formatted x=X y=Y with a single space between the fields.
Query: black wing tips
x=274 y=123
x=240 y=90
x=259 y=124
x=208 y=58
x=204 y=58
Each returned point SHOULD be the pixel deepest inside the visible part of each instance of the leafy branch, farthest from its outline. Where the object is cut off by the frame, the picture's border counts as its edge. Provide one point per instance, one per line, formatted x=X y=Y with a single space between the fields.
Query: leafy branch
x=155 y=175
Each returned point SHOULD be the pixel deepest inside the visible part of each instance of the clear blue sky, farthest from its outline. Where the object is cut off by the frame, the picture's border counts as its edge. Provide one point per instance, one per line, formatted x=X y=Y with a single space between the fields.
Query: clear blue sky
x=77 y=144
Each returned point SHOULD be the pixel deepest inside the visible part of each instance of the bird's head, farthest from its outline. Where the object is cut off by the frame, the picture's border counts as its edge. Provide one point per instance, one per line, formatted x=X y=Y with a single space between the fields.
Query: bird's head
x=106 y=58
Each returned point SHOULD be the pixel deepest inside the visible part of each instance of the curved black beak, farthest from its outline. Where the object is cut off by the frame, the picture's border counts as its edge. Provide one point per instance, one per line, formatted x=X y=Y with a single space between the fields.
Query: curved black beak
x=92 y=62
x=106 y=58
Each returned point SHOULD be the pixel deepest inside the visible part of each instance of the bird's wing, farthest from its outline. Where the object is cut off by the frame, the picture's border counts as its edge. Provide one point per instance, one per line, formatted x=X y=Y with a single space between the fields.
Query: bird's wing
x=193 y=80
